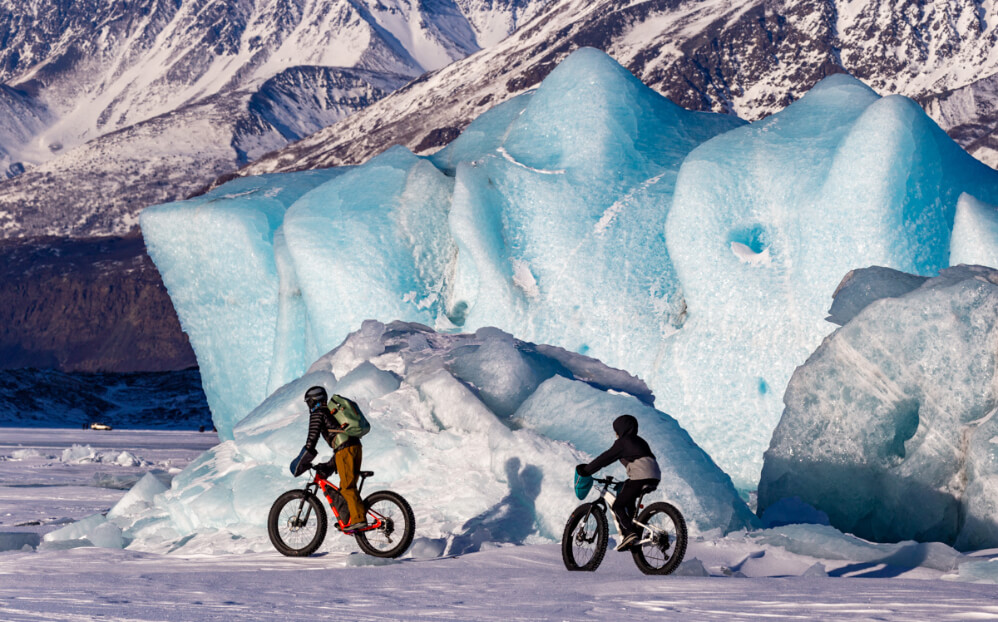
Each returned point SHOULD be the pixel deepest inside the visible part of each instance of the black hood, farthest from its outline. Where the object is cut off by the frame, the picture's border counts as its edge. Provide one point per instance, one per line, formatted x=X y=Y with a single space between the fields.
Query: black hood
x=625 y=425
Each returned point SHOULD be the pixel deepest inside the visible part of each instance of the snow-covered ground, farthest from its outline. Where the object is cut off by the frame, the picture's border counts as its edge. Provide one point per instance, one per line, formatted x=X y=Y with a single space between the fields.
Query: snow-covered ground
x=46 y=485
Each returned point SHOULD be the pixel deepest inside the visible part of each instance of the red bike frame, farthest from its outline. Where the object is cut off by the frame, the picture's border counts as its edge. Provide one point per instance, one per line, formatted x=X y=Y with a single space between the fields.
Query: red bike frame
x=319 y=482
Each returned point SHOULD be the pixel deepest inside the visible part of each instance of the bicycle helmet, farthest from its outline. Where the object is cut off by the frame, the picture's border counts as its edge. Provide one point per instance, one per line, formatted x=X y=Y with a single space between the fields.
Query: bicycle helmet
x=315 y=396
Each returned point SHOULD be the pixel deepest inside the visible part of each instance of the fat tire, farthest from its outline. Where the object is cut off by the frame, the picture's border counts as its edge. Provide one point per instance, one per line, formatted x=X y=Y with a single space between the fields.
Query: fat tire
x=568 y=537
x=318 y=514
x=407 y=531
x=678 y=543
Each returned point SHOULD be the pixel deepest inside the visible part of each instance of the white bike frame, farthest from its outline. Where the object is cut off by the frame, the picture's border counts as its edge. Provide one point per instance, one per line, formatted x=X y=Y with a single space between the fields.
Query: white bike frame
x=610 y=498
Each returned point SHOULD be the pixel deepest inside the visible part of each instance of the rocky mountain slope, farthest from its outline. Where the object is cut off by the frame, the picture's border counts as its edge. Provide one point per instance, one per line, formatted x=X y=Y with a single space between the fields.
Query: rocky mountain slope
x=746 y=57
x=86 y=305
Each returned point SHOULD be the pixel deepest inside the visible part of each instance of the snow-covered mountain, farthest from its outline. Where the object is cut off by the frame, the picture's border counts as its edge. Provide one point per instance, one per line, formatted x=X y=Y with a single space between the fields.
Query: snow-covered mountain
x=100 y=66
x=132 y=103
x=99 y=187
x=746 y=57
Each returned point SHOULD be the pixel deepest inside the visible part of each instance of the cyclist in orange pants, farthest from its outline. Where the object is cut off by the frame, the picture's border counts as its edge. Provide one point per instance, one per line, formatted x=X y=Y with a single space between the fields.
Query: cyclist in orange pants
x=332 y=419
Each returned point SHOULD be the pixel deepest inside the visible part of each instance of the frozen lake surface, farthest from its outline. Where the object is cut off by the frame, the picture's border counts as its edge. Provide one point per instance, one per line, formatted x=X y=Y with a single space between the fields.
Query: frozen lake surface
x=40 y=492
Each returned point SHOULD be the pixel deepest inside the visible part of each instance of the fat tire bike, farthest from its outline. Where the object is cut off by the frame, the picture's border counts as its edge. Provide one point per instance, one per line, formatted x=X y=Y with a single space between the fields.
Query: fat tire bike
x=297 y=522
x=660 y=546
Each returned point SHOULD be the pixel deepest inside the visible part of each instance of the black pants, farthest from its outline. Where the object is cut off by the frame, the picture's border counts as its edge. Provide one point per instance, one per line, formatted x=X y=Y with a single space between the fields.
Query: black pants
x=626 y=504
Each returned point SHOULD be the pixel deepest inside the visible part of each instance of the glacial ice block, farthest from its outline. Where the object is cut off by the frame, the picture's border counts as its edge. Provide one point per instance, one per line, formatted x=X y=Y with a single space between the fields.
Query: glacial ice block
x=695 y=251
x=890 y=426
x=372 y=243
x=559 y=228
x=975 y=233
x=765 y=221
x=545 y=217
x=480 y=432
x=216 y=256
x=861 y=287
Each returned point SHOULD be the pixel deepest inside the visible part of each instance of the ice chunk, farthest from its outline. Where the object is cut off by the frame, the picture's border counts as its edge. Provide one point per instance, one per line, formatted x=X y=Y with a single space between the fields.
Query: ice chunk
x=139 y=497
x=372 y=243
x=96 y=529
x=825 y=542
x=862 y=286
x=975 y=233
x=29 y=454
x=106 y=535
x=16 y=541
x=792 y=511
x=474 y=474
x=216 y=256
x=691 y=568
x=78 y=453
x=977 y=571
x=888 y=427
x=839 y=179
x=817 y=570
x=559 y=231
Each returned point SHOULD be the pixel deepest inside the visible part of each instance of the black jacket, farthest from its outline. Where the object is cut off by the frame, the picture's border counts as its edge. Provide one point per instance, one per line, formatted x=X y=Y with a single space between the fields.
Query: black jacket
x=321 y=421
x=628 y=447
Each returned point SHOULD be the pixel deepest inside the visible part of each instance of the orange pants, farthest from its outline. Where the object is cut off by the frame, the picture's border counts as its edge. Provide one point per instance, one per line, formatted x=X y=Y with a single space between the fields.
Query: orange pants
x=348 y=465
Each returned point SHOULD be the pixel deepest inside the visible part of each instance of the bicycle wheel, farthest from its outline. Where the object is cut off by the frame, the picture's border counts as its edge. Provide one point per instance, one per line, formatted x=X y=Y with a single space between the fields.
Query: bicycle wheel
x=662 y=543
x=297 y=523
x=583 y=544
x=394 y=535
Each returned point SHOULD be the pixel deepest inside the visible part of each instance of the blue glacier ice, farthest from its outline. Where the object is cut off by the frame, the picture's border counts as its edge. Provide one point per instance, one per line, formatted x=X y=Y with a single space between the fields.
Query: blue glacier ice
x=480 y=458
x=975 y=233
x=890 y=426
x=527 y=221
x=217 y=256
x=767 y=219
x=690 y=249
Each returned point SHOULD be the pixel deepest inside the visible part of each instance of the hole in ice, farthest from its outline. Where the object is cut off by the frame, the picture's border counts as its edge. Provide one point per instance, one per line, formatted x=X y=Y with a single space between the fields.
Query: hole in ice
x=459 y=314
x=906 y=424
x=753 y=238
x=750 y=245
x=763 y=387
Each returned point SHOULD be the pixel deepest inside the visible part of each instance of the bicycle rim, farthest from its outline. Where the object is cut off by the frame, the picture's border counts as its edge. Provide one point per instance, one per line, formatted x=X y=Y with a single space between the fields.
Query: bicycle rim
x=296 y=524
x=395 y=525
x=662 y=543
x=585 y=539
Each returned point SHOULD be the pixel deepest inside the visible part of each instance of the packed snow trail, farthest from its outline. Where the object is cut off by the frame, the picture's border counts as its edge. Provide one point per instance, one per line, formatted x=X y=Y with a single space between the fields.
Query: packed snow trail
x=512 y=583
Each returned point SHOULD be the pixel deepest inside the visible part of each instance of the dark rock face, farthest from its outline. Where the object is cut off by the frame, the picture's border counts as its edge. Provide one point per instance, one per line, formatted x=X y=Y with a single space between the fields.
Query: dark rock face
x=87 y=305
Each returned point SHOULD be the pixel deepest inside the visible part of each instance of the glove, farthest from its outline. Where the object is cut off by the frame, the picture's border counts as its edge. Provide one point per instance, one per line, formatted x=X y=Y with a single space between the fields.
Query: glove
x=304 y=460
x=582 y=471
x=326 y=469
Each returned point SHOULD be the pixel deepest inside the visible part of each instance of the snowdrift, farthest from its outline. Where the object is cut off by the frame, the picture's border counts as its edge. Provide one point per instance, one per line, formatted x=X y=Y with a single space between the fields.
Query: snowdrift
x=481 y=433
x=593 y=214
x=890 y=425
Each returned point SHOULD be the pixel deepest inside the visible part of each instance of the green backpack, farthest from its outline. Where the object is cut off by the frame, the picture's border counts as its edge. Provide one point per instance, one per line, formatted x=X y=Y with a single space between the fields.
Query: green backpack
x=350 y=414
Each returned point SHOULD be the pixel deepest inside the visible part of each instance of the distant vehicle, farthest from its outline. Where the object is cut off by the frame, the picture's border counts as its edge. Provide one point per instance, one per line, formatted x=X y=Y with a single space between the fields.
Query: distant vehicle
x=99 y=426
